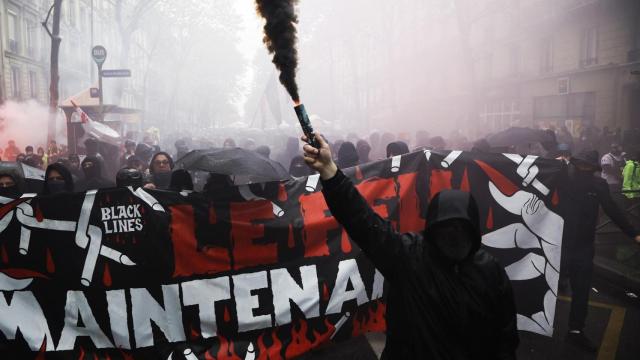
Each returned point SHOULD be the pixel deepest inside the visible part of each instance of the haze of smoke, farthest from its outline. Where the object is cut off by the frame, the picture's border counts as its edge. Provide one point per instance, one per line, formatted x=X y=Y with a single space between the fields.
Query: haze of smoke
x=280 y=38
x=26 y=123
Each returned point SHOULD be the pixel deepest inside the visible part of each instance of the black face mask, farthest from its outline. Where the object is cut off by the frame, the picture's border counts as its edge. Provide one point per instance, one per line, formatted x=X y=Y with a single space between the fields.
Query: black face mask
x=162 y=180
x=453 y=239
x=10 y=192
x=56 y=186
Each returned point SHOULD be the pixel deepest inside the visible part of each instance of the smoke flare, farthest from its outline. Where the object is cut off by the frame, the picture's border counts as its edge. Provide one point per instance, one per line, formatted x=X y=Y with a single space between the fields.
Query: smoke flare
x=280 y=38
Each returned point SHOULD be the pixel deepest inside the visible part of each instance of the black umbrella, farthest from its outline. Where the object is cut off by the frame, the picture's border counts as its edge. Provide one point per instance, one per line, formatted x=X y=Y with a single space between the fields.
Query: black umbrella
x=517 y=135
x=234 y=161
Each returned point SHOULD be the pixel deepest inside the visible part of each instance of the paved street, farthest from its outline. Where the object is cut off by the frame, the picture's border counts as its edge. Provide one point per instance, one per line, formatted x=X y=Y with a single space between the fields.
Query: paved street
x=613 y=323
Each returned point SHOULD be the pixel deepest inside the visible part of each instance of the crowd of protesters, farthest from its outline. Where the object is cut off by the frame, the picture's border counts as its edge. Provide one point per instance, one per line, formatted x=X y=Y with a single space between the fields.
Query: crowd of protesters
x=98 y=165
x=606 y=166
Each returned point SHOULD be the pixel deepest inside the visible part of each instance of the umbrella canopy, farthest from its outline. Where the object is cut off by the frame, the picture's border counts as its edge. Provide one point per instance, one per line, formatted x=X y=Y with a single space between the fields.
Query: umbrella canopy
x=517 y=136
x=235 y=161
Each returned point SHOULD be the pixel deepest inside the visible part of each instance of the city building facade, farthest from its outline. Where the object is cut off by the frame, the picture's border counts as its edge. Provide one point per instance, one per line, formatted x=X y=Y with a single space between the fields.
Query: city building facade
x=25 y=49
x=554 y=63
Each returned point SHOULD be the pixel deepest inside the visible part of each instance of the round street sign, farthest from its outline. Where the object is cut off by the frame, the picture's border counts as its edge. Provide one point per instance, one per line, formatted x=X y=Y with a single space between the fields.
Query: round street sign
x=99 y=54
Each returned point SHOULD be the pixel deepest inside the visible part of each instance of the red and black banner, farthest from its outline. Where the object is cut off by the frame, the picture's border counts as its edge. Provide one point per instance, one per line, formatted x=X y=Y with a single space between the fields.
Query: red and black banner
x=261 y=271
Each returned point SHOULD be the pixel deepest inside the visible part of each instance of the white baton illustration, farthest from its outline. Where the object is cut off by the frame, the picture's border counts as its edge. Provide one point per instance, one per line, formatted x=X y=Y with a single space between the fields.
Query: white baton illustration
x=87 y=236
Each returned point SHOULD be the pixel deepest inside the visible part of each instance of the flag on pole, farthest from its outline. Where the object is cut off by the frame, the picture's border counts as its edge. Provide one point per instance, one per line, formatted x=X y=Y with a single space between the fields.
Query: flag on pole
x=79 y=116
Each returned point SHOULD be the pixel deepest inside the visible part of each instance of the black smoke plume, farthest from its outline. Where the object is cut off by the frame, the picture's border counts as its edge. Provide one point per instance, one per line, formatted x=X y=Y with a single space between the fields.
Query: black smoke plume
x=280 y=38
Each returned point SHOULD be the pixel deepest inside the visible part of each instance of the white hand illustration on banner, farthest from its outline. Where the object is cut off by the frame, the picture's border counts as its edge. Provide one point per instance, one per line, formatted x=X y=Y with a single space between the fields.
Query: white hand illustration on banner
x=541 y=228
x=87 y=237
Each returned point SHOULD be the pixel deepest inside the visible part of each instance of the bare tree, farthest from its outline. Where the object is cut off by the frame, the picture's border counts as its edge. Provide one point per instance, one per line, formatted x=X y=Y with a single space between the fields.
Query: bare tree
x=54 y=95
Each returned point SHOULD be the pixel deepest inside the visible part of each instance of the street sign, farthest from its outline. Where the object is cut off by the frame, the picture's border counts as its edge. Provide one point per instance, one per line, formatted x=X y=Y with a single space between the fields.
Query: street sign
x=99 y=54
x=94 y=92
x=116 y=73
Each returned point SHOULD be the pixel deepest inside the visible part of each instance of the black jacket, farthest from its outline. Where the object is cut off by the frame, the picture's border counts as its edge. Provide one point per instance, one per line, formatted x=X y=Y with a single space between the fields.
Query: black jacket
x=435 y=310
x=585 y=193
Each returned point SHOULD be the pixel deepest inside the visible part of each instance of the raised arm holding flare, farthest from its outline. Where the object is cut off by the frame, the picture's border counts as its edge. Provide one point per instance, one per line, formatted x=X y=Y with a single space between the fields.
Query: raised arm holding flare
x=449 y=299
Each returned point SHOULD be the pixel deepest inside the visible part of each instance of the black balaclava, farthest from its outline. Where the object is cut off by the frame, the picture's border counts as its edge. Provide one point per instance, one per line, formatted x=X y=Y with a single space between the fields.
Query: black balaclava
x=11 y=192
x=55 y=186
x=91 y=168
x=453 y=226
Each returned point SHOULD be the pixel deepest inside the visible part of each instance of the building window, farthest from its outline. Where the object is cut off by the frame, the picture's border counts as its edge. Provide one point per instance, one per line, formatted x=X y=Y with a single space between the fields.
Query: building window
x=83 y=19
x=589 y=47
x=15 y=82
x=499 y=115
x=72 y=12
x=13 y=33
x=33 y=84
x=32 y=39
x=556 y=109
x=546 y=56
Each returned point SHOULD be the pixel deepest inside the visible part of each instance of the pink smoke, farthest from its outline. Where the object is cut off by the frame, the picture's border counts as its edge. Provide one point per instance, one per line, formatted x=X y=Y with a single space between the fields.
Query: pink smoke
x=26 y=123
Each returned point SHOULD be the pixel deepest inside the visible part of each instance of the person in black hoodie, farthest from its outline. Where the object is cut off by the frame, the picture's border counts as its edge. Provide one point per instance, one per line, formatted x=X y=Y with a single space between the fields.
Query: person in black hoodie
x=92 y=168
x=585 y=194
x=449 y=298
x=57 y=179
x=397 y=148
x=347 y=155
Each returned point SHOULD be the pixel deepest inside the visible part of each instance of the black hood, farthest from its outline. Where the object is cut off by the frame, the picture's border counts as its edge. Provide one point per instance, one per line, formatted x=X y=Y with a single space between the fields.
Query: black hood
x=454 y=204
x=68 y=179
x=91 y=171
